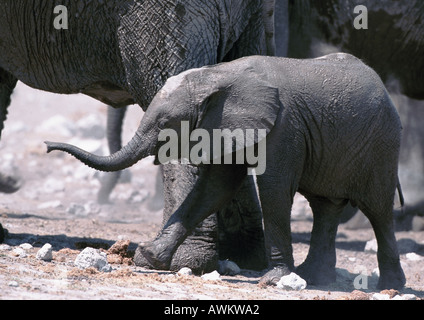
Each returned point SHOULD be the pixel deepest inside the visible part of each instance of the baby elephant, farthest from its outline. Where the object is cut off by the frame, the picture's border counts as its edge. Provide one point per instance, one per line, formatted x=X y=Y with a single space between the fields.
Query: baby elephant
x=324 y=127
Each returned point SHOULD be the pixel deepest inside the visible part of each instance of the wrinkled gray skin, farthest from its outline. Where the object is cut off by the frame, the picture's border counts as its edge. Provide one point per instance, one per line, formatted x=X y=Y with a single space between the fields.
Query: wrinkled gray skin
x=122 y=52
x=333 y=134
x=116 y=116
x=393 y=45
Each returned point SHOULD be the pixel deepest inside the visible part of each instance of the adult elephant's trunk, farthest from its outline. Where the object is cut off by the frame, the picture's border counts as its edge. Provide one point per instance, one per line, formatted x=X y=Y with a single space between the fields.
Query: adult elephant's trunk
x=139 y=147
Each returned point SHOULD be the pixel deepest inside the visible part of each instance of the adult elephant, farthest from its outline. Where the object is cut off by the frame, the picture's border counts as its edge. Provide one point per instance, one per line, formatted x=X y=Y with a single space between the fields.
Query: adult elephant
x=122 y=52
x=388 y=35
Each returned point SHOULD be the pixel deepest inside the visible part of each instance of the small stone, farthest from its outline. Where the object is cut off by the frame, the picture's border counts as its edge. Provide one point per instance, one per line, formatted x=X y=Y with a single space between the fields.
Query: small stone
x=292 y=282
x=45 y=253
x=5 y=247
x=412 y=256
x=19 y=252
x=214 y=275
x=14 y=284
x=185 y=272
x=380 y=296
x=91 y=257
x=25 y=246
x=405 y=297
x=227 y=267
x=55 y=204
x=371 y=246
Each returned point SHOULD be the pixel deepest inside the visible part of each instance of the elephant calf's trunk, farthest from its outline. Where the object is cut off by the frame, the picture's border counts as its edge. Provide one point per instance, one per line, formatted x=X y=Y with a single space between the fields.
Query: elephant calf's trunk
x=124 y=158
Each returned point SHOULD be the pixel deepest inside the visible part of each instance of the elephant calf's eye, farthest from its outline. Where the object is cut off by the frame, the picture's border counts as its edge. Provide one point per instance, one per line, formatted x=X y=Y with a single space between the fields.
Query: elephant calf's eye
x=163 y=123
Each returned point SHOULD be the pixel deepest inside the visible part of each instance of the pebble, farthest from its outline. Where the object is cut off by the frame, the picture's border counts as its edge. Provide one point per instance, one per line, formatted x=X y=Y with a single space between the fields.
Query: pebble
x=45 y=253
x=5 y=247
x=19 y=252
x=405 y=297
x=25 y=246
x=371 y=246
x=185 y=272
x=90 y=257
x=13 y=284
x=214 y=275
x=227 y=267
x=412 y=256
x=55 y=204
x=380 y=296
x=292 y=282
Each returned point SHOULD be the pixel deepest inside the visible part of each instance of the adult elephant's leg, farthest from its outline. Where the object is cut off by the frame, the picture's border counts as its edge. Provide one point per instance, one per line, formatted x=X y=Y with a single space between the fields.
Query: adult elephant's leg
x=115 y=118
x=240 y=227
x=8 y=184
x=319 y=268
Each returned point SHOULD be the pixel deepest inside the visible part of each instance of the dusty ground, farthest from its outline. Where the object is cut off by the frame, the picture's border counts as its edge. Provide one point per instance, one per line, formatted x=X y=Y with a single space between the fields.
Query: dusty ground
x=56 y=205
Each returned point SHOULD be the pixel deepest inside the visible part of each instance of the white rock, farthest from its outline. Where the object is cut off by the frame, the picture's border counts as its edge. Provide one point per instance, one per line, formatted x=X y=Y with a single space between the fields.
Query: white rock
x=13 y=284
x=375 y=272
x=185 y=272
x=227 y=267
x=412 y=256
x=214 y=275
x=45 y=253
x=25 y=246
x=5 y=247
x=55 y=204
x=380 y=296
x=90 y=257
x=21 y=253
x=292 y=282
x=405 y=297
x=371 y=246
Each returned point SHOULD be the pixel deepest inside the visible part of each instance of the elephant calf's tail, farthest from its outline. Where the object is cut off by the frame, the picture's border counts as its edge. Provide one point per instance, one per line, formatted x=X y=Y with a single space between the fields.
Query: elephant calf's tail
x=401 y=198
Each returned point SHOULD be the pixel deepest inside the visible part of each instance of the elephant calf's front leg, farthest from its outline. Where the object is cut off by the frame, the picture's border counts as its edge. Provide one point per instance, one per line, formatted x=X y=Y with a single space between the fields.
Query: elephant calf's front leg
x=215 y=187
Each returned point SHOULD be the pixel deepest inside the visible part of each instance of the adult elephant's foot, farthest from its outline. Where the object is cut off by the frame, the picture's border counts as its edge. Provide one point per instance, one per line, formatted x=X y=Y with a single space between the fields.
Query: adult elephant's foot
x=273 y=276
x=9 y=184
x=316 y=272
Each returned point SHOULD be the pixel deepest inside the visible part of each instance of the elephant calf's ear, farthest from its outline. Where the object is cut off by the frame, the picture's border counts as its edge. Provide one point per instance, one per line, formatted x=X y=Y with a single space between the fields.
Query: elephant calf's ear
x=252 y=105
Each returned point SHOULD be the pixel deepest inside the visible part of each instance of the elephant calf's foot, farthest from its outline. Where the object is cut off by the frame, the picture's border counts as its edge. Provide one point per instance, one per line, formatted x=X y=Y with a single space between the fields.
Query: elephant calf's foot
x=392 y=278
x=317 y=273
x=273 y=276
x=156 y=256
